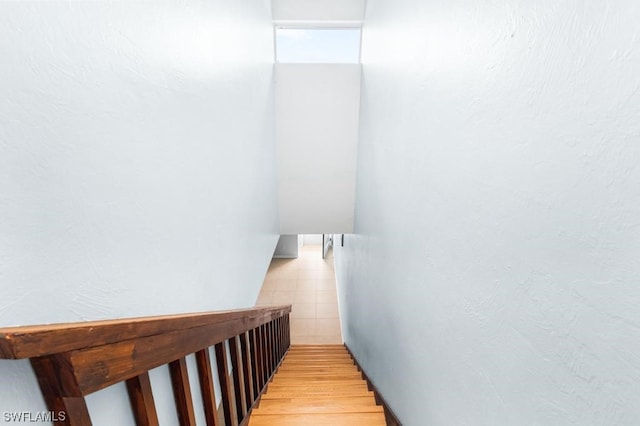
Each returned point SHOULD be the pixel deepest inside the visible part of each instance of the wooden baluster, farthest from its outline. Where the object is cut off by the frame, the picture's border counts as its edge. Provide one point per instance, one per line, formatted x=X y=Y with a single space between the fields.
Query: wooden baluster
x=272 y=336
x=276 y=342
x=248 y=368
x=282 y=348
x=207 y=387
x=251 y=348
x=284 y=335
x=281 y=329
x=238 y=377
x=270 y=340
x=285 y=320
x=276 y=337
x=226 y=385
x=269 y=348
x=276 y=323
x=141 y=398
x=257 y=358
x=265 y=354
x=288 y=331
x=182 y=392
x=60 y=390
x=280 y=339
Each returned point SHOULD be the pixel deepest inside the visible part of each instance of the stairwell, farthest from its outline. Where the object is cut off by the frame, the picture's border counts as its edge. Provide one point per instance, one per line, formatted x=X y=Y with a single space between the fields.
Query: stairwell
x=317 y=385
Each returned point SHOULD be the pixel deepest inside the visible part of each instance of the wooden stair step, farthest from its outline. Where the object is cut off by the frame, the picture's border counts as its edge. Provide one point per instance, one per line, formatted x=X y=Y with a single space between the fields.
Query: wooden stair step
x=327 y=409
x=349 y=419
x=317 y=348
x=318 y=363
x=317 y=385
x=335 y=384
x=318 y=345
x=353 y=373
x=284 y=382
x=317 y=355
x=276 y=384
x=299 y=369
x=284 y=394
x=332 y=404
x=293 y=360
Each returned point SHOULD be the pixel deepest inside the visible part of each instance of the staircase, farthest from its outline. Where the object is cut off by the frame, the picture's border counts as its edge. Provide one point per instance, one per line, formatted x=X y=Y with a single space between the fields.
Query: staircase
x=317 y=385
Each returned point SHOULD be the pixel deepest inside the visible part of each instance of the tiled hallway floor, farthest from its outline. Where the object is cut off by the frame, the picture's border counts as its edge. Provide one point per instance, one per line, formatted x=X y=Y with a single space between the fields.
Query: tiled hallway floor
x=308 y=283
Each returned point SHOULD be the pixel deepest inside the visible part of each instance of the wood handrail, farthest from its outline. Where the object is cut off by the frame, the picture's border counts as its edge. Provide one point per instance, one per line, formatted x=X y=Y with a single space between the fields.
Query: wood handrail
x=38 y=340
x=73 y=360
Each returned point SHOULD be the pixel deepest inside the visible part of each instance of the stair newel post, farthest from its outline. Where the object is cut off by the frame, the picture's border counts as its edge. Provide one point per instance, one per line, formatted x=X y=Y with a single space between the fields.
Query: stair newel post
x=61 y=390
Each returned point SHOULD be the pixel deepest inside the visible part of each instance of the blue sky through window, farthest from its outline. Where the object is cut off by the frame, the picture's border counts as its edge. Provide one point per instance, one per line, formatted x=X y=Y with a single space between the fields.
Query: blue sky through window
x=318 y=45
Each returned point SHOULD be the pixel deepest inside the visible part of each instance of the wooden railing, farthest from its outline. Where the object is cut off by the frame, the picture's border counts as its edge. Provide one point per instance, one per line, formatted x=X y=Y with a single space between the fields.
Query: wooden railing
x=76 y=359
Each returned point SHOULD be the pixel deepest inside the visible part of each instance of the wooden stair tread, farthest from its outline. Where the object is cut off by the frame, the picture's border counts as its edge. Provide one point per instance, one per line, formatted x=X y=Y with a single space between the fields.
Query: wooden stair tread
x=300 y=375
x=342 y=419
x=326 y=409
x=324 y=387
x=317 y=353
x=317 y=385
x=328 y=404
x=318 y=370
x=334 y=384
x=317 y=367
x=317 y=394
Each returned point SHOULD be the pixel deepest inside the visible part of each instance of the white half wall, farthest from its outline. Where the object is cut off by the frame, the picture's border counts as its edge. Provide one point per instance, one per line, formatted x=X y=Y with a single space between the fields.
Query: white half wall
x=494 y=274
x=287 y=247
x=317 y=111
x=137 y=167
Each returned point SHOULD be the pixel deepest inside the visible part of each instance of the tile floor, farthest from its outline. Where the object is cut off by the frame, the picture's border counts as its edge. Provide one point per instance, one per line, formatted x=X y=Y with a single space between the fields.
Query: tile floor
x=309 y=284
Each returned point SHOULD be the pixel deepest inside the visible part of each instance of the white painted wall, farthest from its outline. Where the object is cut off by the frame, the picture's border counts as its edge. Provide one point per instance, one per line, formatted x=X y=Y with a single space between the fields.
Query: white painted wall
x=287 y=247
x=312 y=239
x=137 y=167
x=493 y=275
x=317 y=109
x=314 y=10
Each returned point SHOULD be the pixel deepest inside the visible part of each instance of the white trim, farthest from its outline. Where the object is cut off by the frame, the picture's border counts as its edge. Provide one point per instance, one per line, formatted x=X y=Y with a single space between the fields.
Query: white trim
x=275 y=45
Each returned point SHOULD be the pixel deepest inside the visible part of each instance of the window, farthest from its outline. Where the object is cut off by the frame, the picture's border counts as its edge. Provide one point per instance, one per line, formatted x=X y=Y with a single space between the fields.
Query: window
x=318 y=45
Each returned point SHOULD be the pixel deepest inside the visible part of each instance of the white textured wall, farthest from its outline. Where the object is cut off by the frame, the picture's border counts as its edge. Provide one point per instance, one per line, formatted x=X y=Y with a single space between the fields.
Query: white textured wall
x=494 y=278
x=317 y=109
x=137 y=165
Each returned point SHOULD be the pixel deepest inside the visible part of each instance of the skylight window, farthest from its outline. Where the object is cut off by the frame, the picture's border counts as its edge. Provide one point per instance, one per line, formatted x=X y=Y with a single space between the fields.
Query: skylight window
x=318 y=45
